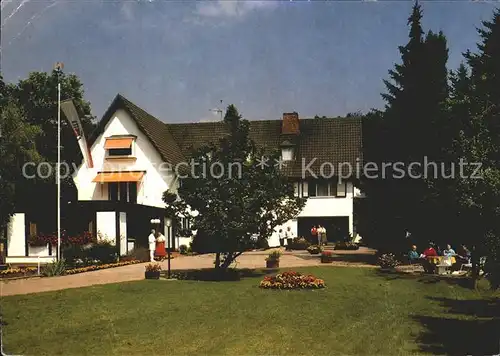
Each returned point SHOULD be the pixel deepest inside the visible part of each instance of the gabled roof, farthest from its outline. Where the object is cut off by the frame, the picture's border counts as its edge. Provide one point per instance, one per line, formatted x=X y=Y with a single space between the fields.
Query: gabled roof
x=332 y=140
x=154 y=129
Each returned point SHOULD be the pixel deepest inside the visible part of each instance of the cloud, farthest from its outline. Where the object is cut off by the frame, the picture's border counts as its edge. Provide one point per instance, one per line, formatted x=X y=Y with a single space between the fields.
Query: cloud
x=230 y=9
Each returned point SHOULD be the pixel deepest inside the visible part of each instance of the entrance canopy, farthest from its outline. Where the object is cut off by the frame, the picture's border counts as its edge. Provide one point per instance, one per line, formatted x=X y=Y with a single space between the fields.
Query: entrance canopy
x=127 y=176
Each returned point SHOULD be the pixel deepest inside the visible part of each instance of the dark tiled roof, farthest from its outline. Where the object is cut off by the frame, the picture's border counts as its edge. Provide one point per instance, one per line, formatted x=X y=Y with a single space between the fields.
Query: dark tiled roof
x=335 y=141
x=332 y=140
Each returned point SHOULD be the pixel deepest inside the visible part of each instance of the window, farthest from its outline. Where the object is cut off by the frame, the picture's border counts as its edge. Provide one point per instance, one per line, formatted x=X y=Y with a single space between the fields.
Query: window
x=185 y=223
x=113 y=191
x=322 y=189
x=132 y=192
x=120 y=152
x=33 y=229
x=123 y=191
x=119 y=146
x=296 y=189
x=341 y=190
x=326 y=189
x=287 y=154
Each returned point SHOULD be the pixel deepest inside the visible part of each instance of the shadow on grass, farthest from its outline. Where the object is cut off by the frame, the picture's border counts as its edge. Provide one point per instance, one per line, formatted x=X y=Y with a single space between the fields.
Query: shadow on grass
x=425 y=278
x=361 y=258
x=218 y=275
x=455 y=335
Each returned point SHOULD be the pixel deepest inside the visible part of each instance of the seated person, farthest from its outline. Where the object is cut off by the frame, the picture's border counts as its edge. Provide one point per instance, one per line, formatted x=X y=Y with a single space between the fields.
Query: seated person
x=449 y=251
x=429 y=252
x=413 y=255
x=464 y=254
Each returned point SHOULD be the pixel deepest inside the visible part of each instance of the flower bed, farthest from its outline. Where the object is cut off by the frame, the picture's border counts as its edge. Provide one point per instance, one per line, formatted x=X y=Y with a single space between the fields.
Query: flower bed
x=98 y=267
x=18 y=272
x=292 y=280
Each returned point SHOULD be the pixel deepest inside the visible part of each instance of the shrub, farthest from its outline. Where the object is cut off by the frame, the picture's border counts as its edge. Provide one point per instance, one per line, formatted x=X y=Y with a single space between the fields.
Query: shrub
x=292 y=280
x=139 y=253
x=388 y=260
x=314 y=249
x=183 y=249
x=212 y=275
x=56 y=268
x=75 y=255
x=326 y=256
x=103 y=251
x=346 y=246
x=300 y=243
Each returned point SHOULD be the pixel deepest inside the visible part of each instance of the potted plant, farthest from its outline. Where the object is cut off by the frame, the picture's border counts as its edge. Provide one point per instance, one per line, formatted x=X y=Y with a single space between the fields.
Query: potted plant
x=273 y=259
x=326 y=257
x=152 y=271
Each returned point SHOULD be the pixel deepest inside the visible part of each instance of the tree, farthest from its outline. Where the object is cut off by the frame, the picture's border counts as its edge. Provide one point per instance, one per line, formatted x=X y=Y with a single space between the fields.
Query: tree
x=17 y=138
x=408 y=128
x=37 y=97
x=479 y=141
x=238 y=198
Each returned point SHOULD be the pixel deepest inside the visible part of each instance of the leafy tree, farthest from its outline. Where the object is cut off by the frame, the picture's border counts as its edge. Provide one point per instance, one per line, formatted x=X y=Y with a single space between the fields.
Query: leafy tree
x=37 y=97
x=238 y=201
x=17 y=138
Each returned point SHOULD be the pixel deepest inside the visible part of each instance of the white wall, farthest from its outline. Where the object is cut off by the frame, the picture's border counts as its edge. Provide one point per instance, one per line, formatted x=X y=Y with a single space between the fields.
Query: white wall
x=42 y=251
x=156 y=180
x=123 y=234
x=16 y=235
x=106 y=225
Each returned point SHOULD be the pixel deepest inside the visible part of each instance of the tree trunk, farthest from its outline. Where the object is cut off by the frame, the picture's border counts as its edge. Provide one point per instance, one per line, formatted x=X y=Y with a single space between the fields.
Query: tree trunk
x=217 y=260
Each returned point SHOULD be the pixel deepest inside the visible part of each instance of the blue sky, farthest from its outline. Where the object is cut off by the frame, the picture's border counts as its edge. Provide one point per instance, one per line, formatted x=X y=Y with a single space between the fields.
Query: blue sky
x=177 y=59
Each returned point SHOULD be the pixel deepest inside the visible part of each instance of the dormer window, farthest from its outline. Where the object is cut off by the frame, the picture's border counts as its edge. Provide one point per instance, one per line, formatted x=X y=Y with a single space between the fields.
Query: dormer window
x=287 y=153
x=119 y=147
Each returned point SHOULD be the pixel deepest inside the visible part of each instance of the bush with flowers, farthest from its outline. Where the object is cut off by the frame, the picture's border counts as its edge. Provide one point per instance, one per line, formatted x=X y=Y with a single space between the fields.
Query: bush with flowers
x=388 y=260
x=326 y=256
x=98 y=267
x=292 y=280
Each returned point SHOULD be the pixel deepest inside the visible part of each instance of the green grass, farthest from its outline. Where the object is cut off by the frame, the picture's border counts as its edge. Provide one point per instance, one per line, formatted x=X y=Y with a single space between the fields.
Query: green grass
x=360 y=312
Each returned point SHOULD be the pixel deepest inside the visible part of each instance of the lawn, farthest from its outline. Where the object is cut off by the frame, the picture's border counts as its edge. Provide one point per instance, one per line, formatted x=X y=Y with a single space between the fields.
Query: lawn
x=360 y=312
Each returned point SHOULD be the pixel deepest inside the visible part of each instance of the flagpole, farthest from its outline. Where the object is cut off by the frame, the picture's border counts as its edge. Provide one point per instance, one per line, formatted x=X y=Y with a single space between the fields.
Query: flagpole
x=58 y=170
x=59 y=67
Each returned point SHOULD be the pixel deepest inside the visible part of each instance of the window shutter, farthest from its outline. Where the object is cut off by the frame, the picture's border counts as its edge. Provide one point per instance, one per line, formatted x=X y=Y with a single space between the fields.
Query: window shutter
x=305 y=189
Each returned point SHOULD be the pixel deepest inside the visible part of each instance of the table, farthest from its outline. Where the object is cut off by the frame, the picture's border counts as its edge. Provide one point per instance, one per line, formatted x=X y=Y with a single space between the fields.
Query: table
x=438 y=261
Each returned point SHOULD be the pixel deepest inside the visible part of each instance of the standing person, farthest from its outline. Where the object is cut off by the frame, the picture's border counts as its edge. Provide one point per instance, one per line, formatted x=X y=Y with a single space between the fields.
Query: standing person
x=314 y=234
x=325 y=240
x=152 y=245
x=160 y=246
x=281 y=236
x=321 y=234
x=318 y=234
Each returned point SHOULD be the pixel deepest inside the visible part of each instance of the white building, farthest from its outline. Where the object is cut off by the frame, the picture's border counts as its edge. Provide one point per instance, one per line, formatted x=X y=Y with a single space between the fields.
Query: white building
x=132 y=152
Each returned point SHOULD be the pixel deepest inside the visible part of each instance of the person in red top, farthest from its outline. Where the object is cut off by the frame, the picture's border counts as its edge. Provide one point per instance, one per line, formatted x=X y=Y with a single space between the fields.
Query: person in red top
x=314 y=233
x=430 y=251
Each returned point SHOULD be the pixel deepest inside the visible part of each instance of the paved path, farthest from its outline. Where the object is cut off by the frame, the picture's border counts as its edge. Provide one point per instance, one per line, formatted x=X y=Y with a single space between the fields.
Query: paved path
x=135 y=272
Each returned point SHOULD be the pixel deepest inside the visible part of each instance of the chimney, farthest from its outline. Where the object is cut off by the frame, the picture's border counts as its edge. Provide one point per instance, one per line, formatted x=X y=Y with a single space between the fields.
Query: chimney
x=290 y=123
